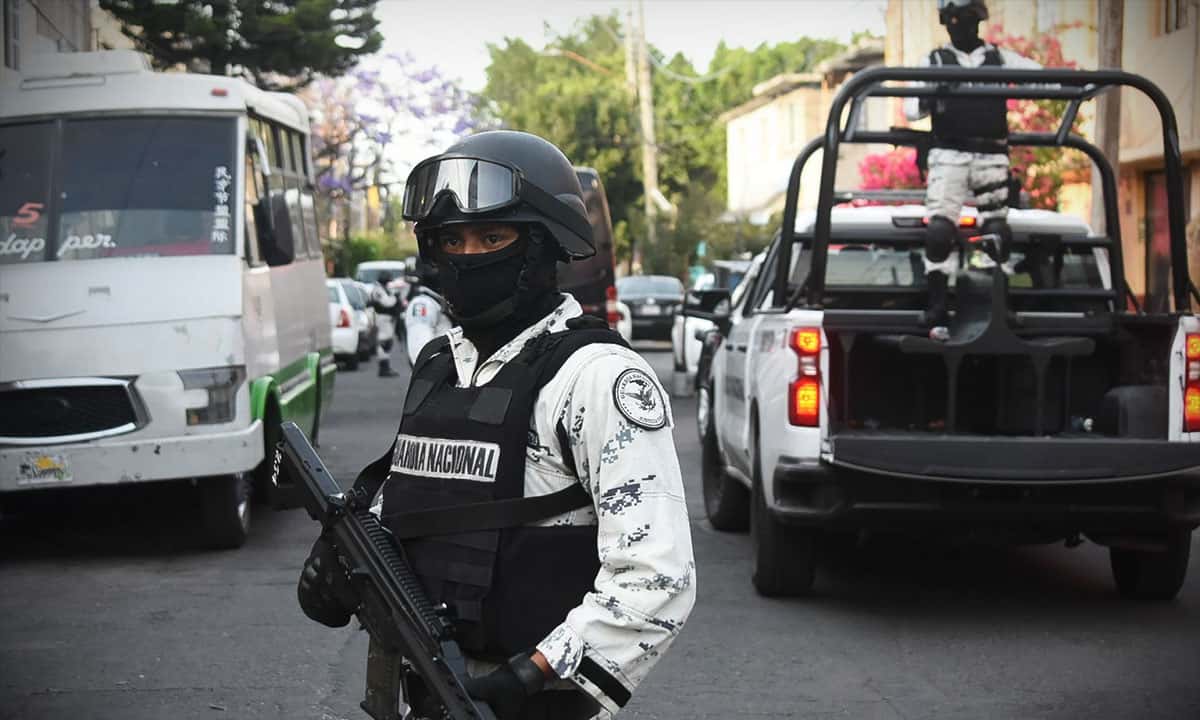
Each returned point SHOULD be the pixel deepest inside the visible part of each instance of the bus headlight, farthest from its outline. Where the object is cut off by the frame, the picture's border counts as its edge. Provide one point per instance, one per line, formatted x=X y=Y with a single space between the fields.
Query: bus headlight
x=211 y=393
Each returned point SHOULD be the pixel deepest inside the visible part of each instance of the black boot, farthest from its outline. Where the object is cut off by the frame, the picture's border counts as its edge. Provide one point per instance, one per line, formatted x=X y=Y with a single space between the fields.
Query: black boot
x=385 y=368
x=936 y=317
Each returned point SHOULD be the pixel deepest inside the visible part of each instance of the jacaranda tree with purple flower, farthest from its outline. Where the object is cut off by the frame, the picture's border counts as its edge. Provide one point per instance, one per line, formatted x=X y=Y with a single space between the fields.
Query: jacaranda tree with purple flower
x=369 y=123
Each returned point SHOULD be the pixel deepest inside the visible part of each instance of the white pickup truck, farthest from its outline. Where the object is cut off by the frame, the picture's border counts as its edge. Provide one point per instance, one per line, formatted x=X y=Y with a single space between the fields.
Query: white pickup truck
x=1062 y=404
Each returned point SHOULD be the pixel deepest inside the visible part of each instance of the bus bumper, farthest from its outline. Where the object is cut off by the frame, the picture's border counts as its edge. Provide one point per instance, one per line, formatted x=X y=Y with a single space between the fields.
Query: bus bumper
x=114 y=461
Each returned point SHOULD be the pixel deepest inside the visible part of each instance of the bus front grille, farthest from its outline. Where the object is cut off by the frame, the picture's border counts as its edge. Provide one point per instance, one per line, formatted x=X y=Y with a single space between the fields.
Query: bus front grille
x=64 y=413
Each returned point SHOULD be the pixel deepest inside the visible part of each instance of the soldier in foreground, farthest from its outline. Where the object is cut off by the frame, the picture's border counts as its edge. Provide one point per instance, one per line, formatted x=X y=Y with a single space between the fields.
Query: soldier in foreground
x=534 y=483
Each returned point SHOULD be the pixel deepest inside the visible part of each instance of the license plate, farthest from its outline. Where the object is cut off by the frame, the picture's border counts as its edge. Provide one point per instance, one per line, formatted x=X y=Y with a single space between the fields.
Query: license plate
x=652 y=310
x=43 y=469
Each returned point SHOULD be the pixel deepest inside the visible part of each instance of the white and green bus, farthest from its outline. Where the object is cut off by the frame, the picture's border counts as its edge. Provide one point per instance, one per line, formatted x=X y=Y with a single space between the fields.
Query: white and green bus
x=162 y=294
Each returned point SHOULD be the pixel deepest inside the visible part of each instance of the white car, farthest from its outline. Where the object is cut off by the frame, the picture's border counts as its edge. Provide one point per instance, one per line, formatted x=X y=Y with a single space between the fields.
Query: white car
x=685 y=345
x=345 y=325
x=368 y=271
x=624 y=322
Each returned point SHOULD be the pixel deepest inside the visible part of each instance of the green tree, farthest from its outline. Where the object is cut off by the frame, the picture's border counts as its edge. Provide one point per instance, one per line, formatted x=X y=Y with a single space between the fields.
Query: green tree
x=281 y=44
x=574 y=94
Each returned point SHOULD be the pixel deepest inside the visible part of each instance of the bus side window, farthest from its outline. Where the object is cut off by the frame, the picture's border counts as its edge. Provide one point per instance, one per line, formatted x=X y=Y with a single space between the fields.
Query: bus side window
x=274 y=229
x=253 y=198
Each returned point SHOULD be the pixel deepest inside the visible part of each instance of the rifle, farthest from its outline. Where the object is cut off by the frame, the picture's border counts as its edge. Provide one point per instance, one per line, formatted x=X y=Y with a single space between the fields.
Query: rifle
x=408 y=634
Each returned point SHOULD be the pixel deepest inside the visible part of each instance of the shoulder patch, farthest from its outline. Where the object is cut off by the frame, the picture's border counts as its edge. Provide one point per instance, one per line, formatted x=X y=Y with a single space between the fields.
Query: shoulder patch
x=638 y=398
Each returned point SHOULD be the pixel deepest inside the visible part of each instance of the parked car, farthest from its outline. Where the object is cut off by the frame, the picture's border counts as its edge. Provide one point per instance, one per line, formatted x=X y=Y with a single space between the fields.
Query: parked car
x=624 y=325
x=652 y=300
x=345 y=324
x=368 y=271
x=687 y=333
x=368 y=329
x=591 y=280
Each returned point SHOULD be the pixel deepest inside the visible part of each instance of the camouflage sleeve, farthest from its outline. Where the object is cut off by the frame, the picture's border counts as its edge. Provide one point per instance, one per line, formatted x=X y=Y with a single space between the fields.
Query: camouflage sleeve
x=618 y=423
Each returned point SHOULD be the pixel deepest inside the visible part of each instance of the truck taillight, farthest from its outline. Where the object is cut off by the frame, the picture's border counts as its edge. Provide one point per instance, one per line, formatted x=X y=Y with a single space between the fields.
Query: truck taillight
x=804 y=393
x=344 y=319
x=610 y=306
x=1191 y=392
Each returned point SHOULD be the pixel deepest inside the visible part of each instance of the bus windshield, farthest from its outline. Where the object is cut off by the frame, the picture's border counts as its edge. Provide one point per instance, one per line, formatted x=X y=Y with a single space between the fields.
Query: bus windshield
x=116 y=187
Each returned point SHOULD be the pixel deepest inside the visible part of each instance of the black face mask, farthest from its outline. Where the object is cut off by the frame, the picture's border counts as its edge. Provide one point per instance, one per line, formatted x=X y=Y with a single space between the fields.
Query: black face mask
x=481 y=289
x=964 y=34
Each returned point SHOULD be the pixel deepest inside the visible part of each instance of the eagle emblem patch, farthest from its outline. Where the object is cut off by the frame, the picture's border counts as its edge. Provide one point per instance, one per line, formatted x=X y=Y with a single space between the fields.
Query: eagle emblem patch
x=638 y=398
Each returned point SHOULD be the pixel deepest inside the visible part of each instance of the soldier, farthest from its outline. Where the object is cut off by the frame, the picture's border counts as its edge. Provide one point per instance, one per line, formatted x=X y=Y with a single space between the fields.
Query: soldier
x=534 y=483
x=969 y=153
x=385 y=305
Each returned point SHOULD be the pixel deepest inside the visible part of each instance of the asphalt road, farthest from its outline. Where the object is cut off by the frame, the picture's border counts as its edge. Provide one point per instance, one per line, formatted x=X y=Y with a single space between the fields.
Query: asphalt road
x=105 y=612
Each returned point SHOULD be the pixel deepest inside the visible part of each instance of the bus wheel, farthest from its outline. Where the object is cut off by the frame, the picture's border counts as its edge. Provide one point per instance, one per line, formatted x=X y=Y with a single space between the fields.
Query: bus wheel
x=1155 y=575
x=225 y=508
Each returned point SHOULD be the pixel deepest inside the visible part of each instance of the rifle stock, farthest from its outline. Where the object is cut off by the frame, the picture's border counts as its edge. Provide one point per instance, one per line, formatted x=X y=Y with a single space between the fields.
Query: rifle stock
x=393 y=606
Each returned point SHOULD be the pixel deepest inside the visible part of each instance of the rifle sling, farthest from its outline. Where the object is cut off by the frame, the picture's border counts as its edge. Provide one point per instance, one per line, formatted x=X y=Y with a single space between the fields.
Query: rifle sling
x=492 y=515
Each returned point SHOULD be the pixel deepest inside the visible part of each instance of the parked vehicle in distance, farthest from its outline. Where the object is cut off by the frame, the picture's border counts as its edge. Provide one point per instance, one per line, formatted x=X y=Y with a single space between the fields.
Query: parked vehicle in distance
x=591 y=280
x=687 y=333
x=652 y=300
x=624 y=325
x=368 y=272
x=162 y=276
x=368 y=330
x=348 y=324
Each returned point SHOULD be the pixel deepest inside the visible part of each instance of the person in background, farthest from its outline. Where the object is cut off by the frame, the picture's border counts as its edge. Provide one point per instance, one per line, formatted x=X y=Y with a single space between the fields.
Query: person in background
x=386 y=306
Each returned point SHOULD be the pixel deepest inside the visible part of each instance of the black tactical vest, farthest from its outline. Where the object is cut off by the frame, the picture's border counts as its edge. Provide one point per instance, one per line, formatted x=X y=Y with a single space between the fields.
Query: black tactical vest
x=974 y=124
x=455 y=499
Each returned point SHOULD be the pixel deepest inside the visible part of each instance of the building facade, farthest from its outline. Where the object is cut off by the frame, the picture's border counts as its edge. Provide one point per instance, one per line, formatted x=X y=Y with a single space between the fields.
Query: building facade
x=30 y=27
x=764 y=135
x=1161 y=41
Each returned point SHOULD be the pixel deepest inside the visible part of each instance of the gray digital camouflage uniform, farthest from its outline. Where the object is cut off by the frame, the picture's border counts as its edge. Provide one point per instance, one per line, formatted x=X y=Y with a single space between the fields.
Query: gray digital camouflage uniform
x=647 y=581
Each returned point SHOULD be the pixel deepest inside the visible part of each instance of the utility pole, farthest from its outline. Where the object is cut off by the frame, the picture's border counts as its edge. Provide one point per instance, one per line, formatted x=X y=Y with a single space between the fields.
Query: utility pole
x=1110 y=20
x=649 y=144
x=630 y=63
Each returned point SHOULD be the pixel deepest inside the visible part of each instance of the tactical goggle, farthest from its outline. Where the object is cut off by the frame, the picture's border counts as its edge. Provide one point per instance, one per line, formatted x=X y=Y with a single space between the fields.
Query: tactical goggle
x=479 y=186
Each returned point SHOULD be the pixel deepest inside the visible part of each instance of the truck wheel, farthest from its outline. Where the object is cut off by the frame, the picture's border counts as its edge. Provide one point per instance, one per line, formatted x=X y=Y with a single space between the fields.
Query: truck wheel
x=1152 y=575
x=726 y=501
x=785 y=558
x=351 y=363
x=225 y=506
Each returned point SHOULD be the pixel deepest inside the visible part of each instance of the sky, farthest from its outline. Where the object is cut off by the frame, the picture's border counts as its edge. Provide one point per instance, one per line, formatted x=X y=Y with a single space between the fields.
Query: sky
x=453 y=34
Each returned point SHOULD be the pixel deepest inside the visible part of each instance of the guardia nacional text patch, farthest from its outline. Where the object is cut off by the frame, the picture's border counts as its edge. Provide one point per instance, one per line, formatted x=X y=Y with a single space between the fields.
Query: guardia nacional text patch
x=638 y=398
x=443 y=458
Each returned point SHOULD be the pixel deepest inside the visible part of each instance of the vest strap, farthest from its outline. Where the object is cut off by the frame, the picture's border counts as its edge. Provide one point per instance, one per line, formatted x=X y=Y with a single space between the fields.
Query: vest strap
x=495 y=515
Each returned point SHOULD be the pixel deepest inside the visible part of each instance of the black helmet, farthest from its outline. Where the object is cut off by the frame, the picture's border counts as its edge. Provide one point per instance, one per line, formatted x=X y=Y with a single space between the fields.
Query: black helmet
x=958 y=8
x=502 y=176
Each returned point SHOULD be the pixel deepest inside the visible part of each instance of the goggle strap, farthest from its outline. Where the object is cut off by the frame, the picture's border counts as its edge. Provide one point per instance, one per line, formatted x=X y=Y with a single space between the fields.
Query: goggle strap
x=555 y=209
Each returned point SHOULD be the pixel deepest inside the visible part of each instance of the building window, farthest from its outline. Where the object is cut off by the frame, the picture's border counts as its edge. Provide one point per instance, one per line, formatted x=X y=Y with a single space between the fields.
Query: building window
x=1176 y=14
x=12 y=31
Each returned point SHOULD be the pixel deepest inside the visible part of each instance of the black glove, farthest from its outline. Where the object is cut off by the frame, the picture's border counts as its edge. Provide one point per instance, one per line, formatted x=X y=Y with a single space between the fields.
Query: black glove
x=507 y=687
x=325 y=591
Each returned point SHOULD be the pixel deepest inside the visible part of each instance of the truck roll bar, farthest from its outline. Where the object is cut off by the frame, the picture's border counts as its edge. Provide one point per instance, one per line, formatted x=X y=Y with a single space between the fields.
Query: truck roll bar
x=1076 y=86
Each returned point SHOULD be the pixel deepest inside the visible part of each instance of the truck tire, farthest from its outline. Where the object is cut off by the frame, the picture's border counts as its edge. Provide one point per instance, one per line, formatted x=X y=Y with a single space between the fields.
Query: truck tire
x=1152 y=575
x=726 y=501
x=225 y=508
x=785 y=558
x=351 y=362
